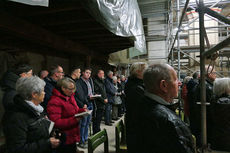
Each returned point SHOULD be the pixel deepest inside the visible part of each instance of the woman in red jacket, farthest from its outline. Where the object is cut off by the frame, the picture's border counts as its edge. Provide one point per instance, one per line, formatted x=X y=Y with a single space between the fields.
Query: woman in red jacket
x=61 y=109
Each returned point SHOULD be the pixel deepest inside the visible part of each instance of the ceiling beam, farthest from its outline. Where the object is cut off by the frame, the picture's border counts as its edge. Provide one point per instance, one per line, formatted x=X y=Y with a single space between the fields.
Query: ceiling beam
x=38 y=35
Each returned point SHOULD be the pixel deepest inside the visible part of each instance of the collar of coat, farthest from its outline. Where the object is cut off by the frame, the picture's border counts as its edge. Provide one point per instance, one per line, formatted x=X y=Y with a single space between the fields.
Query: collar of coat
x=156 y=98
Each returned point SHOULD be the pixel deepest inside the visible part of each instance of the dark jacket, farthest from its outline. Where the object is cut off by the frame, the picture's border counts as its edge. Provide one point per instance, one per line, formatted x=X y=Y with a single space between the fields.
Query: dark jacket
x=50 y=85
x=99 y=88
x=25 y=131
x=110 y=90
x=195 y=109
x=61 y=110
x=81 y=94
x=134 y=89
x=161 y=130
x=221 y=124
x=8 y=83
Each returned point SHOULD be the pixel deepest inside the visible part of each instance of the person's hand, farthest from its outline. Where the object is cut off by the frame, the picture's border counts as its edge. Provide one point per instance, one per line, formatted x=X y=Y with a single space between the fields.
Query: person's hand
x=85 y=107
x=78 y=118
x=54 y=142
x=105 y=100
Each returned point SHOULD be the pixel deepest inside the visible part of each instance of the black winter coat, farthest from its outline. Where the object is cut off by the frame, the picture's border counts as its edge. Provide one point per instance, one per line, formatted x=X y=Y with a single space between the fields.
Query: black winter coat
x=220 y=136
x=134 y=89
x=195 y=109
x=50 y=85
x=25 y=131
x=81 y=94
x=99 y=88
x=110 y=90
x=161 y=130
x=8 y=83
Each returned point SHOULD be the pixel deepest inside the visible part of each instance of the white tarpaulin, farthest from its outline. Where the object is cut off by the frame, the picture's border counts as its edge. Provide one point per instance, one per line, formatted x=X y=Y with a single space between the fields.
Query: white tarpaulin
x=33 y=2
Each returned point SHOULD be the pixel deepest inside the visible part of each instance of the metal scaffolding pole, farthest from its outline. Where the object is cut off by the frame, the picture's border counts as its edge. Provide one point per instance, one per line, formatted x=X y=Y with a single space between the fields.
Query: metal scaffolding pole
x=178 y=38
x=202 y=77
x=181 y=19
x=216 y=15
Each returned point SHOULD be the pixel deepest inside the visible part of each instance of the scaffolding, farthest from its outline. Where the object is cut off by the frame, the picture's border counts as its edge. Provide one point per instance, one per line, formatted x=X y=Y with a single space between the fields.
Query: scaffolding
x=181 y=56
x=205 y=51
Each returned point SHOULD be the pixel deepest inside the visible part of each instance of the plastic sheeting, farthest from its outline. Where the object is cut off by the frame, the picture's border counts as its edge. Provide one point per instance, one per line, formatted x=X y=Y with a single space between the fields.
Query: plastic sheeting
x=121 y=17
x=33 y=2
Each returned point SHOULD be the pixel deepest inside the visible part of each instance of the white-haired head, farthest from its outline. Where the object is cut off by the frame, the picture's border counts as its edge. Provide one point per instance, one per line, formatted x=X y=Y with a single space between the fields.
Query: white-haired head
x=221 y=86
x=137 y=69
x=26 y=86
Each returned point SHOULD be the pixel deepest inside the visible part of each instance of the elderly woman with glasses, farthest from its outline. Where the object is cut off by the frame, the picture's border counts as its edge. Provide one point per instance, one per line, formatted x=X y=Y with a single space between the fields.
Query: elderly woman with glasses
x=25 y=128
x=61 y=109
x=220 y=115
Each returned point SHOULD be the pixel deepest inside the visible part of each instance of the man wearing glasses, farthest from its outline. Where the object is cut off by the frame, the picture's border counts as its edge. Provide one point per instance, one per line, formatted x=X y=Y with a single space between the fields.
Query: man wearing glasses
x=56 y=73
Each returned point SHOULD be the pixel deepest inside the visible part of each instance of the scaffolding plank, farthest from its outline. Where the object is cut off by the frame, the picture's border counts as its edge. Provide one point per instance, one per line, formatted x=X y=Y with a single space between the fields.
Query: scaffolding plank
x=217 y=47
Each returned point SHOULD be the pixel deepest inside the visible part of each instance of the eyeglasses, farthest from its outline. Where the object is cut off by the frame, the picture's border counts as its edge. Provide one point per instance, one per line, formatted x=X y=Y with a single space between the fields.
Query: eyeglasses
x=71 y=89
x=61 y=72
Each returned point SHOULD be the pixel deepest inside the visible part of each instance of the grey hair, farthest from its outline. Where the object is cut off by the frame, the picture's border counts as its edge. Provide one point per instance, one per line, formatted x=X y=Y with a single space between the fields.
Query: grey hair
x=154 y=74
x=109 y=72
x=138 y=66
x=25 y=86
x=122 y=76
x=114 y=78
x=54 y=69
x=187 y=79
x=64 y=82
x=221 y=86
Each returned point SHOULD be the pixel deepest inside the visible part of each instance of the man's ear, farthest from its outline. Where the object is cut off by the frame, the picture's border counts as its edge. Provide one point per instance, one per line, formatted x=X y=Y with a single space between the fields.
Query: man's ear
x=163 y=86
x=22 y=74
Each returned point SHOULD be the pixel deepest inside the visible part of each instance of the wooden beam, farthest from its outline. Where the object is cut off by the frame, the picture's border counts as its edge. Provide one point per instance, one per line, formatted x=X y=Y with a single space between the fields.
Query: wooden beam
x=64 y=22
x=86 y=30
x=38 y=35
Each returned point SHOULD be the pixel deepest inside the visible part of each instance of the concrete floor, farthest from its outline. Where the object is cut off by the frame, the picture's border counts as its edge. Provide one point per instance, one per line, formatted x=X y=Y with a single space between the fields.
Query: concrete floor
x=111 y=135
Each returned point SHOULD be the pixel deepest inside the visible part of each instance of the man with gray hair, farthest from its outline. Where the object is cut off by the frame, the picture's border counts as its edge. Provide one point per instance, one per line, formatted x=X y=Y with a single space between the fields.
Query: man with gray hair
x=160 y=129
x=110 y=91
x=134 y=88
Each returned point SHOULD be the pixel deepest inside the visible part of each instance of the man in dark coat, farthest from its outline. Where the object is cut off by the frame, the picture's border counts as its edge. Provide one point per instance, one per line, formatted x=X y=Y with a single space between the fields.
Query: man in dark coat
x=9 y=80
x=99 y=88
x=84 y=97
x=123 y=109
x=160 y=129
x=56 y=73
x=134 y=88
x=195 y=109
x=110 y=91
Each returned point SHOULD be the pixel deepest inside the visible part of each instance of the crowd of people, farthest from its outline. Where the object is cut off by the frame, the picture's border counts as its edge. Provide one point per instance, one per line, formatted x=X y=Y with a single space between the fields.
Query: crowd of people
x=217 y=104
x=35 y=105
x=40 y=112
